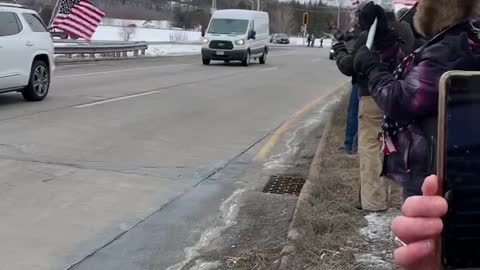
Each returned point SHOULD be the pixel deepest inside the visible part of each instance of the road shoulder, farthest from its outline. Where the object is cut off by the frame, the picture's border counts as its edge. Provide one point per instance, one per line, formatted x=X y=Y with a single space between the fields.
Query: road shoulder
x=327 y=231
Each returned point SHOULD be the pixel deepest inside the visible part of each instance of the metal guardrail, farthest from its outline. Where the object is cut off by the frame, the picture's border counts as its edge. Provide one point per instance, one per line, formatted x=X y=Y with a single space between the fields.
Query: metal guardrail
x=103 y=49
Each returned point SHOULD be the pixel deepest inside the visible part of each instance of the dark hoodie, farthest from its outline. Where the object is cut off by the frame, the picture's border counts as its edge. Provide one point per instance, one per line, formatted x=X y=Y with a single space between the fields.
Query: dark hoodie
x=388 y=29
x=413 y=95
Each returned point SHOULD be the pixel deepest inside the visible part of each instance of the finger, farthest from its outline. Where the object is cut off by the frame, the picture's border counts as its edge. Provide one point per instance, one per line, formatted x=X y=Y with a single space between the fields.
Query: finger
x=411 y=230
x=430 y=186
x=414 y=254
x=425 y=206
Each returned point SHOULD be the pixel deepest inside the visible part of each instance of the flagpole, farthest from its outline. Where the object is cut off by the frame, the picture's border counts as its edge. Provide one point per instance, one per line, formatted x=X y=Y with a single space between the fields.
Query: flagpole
x=54 y=12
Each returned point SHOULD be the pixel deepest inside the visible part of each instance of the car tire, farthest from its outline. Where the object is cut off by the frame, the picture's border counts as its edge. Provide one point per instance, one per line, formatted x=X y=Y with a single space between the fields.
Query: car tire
x=39 y=82
x=206 y=61
x=263 y=58
x=226 y=61
x=246 y=61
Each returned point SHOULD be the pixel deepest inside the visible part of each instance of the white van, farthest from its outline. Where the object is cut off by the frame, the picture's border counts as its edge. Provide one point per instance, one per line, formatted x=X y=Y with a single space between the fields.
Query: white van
x=237 y=35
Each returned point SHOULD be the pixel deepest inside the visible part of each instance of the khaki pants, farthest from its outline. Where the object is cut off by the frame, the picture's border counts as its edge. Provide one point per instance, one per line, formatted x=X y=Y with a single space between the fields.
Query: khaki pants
x=376 y=193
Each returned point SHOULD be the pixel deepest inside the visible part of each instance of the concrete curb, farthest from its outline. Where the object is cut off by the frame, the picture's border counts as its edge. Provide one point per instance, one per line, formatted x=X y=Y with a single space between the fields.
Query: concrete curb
x=294 y=233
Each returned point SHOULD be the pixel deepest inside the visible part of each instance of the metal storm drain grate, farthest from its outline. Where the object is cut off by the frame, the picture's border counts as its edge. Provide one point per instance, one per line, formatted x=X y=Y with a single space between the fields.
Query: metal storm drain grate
x=283 y=184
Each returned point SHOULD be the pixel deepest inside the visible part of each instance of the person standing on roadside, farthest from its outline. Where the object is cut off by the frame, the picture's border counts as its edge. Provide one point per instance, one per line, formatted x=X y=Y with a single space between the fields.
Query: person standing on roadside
x=409 y=97
x=377 y=194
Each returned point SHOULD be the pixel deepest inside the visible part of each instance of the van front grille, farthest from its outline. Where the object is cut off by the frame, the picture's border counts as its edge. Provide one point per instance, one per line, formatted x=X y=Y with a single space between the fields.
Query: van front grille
x=221 y=45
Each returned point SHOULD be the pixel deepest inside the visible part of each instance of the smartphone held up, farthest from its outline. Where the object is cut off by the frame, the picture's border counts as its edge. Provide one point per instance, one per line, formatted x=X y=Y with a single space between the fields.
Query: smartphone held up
x=458 y=166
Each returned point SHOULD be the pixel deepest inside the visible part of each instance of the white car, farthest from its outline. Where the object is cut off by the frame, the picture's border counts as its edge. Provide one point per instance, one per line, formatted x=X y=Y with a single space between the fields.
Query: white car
x=26 y=53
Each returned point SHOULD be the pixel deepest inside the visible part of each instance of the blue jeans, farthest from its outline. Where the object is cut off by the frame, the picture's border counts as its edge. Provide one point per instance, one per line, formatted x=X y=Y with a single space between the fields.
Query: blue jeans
x=351 y=134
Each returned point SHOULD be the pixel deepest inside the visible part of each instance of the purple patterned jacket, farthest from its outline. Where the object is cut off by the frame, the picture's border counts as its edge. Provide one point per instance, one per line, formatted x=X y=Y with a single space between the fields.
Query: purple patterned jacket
x=414 y=98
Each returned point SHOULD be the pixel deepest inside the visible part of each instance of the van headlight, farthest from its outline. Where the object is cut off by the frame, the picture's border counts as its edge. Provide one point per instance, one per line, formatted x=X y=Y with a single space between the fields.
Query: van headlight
x=205 y=40
x=240 y=42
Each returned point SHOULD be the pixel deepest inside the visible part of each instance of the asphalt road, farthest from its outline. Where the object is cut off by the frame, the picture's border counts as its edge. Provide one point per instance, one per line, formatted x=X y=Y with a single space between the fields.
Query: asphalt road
x=117 y=143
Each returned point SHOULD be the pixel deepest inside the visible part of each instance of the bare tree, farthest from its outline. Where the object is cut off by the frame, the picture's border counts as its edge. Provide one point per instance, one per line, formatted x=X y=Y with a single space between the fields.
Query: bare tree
x=281 y=20
x=128 y=31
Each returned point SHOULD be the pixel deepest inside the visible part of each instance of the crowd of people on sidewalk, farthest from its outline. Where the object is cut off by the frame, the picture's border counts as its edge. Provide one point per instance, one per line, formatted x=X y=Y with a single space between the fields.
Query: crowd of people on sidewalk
x=393 y=111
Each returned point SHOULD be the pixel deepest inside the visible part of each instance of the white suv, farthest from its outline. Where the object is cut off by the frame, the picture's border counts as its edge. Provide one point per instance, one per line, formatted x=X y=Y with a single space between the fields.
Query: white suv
x=26 y=53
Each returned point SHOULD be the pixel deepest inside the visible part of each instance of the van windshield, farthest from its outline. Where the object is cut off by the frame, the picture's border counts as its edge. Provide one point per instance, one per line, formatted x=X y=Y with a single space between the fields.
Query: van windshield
x=228 y=26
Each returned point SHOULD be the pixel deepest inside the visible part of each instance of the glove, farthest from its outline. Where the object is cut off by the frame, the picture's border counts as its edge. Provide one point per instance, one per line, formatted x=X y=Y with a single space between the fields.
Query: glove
x=388 y=39
x=382 y=22
x=367 y=16
x=339 y=47
x=365 y=61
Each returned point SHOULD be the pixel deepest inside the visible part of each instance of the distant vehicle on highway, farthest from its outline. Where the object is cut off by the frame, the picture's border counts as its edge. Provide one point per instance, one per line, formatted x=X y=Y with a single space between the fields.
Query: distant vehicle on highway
x=26 y=53
x=236 y=35
x=331 y=55
x=280 y=38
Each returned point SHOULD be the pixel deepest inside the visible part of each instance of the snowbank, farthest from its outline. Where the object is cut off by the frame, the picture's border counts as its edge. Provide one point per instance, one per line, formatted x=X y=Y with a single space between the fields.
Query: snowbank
x=298 y=41
x=173 y=49
x=117 y=33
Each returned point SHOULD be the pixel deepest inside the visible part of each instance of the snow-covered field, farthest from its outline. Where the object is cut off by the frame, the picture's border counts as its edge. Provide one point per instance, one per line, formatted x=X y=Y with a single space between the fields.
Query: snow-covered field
x=116 y=33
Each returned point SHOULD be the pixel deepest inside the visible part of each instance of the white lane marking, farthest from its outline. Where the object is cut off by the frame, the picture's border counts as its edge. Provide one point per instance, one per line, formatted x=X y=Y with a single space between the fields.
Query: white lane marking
x=116 y=99
x=316 y=60
x=153 y=92
x=268 y=69
x=120 y=70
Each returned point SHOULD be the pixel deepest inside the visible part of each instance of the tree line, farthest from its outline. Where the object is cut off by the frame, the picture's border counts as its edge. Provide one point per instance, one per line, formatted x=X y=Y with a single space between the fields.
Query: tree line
x=285 y=17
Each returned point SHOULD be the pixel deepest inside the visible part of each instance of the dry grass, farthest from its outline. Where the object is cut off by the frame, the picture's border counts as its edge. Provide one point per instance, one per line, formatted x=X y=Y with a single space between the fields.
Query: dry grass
x=254 y=260
x=330 y=223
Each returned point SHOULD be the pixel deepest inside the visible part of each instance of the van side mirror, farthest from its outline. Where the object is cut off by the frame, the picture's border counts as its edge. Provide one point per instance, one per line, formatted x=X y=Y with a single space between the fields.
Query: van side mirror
x=252 y=34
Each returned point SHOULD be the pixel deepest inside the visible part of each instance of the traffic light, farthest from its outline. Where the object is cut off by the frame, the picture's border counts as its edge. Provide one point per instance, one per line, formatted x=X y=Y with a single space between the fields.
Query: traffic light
x=305 y=18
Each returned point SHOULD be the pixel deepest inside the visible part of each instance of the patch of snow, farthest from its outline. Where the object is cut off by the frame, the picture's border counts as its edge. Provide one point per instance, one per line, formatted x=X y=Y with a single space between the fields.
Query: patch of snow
x=229 y=212
x=299 y=41
x=379 y=237
x=201 y=265
x=173 y=49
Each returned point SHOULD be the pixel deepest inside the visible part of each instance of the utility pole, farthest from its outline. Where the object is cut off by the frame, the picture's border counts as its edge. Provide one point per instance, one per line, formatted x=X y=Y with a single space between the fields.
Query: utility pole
x=259 y=4
x=339 y=13
x=214 y=5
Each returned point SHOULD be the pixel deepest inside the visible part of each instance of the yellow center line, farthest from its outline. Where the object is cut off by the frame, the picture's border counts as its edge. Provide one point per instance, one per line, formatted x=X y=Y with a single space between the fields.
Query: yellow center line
x=265 y=151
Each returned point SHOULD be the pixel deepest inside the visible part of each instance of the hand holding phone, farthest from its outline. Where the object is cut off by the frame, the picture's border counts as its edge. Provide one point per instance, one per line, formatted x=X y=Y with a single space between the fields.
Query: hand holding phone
x=420 y=228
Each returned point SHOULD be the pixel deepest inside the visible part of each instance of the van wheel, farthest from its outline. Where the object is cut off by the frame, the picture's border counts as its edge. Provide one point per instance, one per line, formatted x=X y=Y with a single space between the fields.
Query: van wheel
x=263 y=58
x=39 y=83
x=246 y=61
x=206 y=61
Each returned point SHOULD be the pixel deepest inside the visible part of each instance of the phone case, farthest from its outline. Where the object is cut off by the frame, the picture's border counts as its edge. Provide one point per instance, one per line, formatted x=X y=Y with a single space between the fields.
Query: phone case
x=453 y=222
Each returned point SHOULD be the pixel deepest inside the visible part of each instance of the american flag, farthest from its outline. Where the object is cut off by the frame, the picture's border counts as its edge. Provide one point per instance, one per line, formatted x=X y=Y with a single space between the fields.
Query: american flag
x=78 y=17
x=407 y=3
